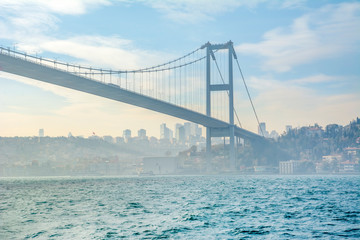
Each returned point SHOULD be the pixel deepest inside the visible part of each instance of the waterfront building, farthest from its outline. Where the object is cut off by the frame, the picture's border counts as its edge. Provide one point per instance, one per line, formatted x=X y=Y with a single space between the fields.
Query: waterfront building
x=332 y=158
x=349 y=167
x=289 y=167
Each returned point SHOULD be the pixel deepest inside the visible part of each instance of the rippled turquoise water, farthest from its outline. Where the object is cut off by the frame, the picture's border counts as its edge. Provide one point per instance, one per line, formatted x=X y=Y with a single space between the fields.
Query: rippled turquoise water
x=184 y=207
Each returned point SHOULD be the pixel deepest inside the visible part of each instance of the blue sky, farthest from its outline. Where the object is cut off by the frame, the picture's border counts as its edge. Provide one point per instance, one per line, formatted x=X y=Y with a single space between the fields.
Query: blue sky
x=301 y=59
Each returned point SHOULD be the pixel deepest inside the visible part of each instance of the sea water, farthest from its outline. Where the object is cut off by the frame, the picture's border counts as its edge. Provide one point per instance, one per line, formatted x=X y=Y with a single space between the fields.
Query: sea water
x=180 y=207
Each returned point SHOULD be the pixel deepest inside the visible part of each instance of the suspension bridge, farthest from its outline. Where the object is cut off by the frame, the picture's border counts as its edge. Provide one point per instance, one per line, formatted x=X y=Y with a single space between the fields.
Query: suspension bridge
x=196 y=87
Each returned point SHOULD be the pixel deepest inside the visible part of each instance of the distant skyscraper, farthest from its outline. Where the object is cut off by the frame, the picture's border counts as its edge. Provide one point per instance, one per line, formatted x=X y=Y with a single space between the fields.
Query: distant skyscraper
x=127 y=134
x=195 y=130
x=187 y=127
x=262 y=128
x=288 y=128
x=199 y=131
x=171 y=134
x=177 y=126
x=165 y=132
x=142 y=133
x=188 y=131
x=41 y=132
x=180 y=135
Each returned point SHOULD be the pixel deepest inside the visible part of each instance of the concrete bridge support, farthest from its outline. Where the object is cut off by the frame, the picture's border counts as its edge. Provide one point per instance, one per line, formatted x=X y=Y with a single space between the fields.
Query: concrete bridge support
x=229 y=87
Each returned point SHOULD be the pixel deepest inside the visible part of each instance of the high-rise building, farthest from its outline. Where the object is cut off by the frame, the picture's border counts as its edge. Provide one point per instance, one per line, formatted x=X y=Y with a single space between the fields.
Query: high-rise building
x=199 y=131
x=180 y=135
x=164 y=132
x=171 y=134
x=142 y=133
x=41 y=132
x=187 y=127
x=177 y=126
x=190 y=132
x=127 y=134
x=195 y=130
x=262 y=130
x=288 y=128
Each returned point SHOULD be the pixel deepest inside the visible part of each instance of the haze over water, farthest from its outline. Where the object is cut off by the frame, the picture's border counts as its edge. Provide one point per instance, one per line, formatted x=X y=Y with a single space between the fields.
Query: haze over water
x=180 y=207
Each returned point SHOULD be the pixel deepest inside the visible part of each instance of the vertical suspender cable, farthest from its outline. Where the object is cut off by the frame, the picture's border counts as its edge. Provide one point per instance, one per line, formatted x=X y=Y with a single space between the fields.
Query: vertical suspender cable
x=252 y=105
x=227 y=93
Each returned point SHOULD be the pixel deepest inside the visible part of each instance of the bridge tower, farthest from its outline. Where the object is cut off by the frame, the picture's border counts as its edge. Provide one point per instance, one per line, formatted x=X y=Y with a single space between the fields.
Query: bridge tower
x=229 y=87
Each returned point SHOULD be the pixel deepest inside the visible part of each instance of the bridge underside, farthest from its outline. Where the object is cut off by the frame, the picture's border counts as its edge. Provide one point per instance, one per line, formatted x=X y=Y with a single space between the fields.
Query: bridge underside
x=42 y=73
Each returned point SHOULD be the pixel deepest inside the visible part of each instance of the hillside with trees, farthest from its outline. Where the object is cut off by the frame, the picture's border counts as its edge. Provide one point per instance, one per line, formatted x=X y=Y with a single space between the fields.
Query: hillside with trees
x=310 y=144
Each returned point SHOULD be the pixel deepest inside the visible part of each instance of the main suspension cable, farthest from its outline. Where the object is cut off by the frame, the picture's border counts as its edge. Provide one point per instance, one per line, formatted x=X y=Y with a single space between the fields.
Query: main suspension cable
x=247 y=90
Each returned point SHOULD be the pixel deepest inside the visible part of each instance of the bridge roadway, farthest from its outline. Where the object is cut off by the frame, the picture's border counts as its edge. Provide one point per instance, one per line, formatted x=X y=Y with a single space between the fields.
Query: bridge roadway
x=21 y=67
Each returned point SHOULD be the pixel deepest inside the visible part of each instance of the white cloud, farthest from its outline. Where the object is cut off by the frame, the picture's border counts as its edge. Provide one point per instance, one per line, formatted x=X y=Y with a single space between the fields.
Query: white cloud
x=320 y=78
x=291 y=4
x=324 y=33
x=31 y=25
x=72 y=7
x=96 y=51
x=188 y=11
x=29 y=19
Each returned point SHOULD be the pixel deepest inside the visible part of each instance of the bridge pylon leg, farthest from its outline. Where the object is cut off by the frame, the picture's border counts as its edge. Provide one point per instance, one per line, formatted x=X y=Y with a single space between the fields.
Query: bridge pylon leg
x=232 y=156
x=210 y=87
x=208 y=149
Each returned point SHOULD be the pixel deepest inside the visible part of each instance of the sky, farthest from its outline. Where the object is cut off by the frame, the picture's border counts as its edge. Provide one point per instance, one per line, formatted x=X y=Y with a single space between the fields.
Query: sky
x=300 y=59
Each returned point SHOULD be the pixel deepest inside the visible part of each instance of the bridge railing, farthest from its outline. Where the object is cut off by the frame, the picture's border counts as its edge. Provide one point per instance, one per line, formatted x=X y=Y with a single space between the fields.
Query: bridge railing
x=87 y=72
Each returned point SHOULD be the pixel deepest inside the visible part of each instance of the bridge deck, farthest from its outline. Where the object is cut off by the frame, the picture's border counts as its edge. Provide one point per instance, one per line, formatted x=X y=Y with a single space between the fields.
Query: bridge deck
x=47 y=74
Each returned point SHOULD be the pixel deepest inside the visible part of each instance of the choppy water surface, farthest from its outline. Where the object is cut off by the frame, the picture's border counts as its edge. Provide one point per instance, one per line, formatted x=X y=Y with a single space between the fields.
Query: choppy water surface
x=186 y=207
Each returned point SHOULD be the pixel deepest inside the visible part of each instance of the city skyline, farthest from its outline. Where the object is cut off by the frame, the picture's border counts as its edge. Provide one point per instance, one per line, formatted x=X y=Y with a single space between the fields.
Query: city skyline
x=300 y=59
x=190 y=128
